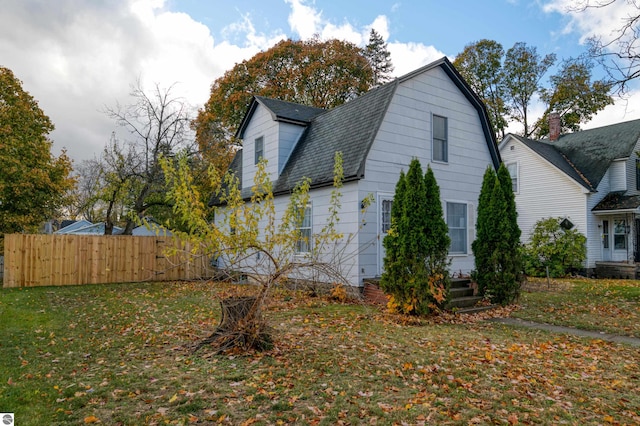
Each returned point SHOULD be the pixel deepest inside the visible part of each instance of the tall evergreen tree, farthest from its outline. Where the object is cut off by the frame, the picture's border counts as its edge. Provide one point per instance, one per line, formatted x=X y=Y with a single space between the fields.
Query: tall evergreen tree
x=497 y=248
x=438 y=242
x=379 y=58
x=482 y=245
x=392 y=278
x=417 y=245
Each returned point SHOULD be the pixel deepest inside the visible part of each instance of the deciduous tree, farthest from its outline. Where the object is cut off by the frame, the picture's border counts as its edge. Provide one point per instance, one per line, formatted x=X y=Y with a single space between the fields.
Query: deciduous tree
x=618 y=51
x=158 y=125
x=256 y=239
x=317 y=73
x=480 y=64
x=574 y=96
x=33 y=182
x=524 y=69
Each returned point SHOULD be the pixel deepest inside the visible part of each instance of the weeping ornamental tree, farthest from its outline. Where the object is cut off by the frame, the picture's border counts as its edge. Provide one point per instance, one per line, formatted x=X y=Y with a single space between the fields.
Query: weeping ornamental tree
x=250 y=237
x=416 y=246
x=497 y=249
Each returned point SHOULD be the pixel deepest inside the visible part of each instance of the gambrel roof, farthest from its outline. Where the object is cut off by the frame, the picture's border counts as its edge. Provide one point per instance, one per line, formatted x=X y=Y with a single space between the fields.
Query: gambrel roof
x=585 y=156
x=350 y=128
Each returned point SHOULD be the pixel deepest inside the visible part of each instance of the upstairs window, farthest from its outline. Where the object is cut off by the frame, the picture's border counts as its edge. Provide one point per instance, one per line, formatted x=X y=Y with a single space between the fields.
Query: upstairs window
x=440 y=143
x=259 y=152
x=638 y=174
x=513 y=172
x=457 y=223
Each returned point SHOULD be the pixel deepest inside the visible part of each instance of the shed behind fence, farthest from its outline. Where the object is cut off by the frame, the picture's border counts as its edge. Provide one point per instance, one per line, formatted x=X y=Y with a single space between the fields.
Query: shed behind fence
x=38 y=260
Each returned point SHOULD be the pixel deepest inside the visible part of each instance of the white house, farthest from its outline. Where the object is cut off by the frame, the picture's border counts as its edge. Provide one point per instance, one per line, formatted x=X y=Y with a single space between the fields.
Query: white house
x=590 y=177
x=430 y=113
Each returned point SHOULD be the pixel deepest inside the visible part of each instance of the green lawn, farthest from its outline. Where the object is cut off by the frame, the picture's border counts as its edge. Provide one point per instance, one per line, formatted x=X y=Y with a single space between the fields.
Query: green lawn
x=117 y=355
x=604 y=305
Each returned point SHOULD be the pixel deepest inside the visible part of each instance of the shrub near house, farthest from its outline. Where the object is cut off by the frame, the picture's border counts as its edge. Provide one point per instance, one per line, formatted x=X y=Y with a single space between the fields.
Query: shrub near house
x=554 y=247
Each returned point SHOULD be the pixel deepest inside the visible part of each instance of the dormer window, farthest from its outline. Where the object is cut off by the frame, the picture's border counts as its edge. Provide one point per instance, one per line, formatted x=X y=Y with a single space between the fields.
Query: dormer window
x=259 y=149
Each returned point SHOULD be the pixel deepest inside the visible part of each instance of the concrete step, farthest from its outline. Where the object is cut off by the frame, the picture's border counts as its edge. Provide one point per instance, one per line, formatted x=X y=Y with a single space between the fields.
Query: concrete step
x=463 y=302
x=475 y=309
x=460 y=282
x=458 y=292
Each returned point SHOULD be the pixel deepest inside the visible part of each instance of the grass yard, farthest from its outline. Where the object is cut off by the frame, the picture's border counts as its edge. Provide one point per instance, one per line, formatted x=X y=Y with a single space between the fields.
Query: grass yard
x=116 y=355
x=604 y=305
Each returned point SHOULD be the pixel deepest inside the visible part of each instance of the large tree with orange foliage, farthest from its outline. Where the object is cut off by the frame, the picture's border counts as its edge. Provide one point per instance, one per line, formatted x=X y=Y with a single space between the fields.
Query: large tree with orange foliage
x=317 y=73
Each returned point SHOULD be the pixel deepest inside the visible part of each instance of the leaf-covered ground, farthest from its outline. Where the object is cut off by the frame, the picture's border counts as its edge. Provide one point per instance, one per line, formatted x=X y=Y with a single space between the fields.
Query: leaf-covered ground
x=117 y=354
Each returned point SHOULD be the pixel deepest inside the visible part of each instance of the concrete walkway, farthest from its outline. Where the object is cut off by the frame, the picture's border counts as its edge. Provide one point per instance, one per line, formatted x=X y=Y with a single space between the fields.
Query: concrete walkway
x=633 y=341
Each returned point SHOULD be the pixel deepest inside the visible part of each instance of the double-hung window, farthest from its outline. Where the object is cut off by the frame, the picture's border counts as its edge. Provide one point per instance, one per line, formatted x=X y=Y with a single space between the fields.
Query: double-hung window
x=619 y=234
x=259 y=149
x=386 y=215
x=440 y=143
x=457 y=223
x=303 y=245
x=513 y=172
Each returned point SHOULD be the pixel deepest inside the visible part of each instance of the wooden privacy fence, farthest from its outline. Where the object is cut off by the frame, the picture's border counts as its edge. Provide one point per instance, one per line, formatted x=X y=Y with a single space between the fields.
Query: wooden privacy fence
x=39 y=260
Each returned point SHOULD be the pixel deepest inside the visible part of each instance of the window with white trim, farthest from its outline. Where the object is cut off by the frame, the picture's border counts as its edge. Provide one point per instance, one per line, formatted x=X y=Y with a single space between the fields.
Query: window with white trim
x=303 y=245
x=440 y=149
x=457 y=223
x=259 y=150
x=619 y=234
x=513 y=172
x=386 y=215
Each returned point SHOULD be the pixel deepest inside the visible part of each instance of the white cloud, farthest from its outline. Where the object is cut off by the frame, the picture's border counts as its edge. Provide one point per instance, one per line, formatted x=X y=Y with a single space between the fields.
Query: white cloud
x=407 y=57
x=592 y=21
x=307 y=21
x=304 y=20
x=76 y=57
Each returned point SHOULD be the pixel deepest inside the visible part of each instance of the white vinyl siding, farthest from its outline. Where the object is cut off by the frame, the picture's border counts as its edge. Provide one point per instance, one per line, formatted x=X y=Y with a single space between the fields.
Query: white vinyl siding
x=404 y=134
x=633 y=172
x=618 y=175
x=543 y=190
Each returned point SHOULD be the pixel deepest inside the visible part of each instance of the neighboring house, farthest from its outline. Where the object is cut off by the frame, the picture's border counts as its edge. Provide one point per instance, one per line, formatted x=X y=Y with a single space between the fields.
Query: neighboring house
x=84 y=227
x=590 y=177
x=431 y=114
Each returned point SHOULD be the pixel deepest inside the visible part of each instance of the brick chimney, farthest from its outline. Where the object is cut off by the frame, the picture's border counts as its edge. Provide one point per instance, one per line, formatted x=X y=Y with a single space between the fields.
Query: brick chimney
x=554 y=126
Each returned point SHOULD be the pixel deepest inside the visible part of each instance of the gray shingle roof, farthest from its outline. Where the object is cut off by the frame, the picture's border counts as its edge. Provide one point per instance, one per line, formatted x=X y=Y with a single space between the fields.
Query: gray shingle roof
x=558 y=159
x=618 y=201
x=350 y=128
x=280 y=111
x=585 y=156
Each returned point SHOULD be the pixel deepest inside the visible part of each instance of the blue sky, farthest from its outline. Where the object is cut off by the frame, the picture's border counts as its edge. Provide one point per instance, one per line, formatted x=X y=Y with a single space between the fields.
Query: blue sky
x=77 y=57
x=420 y=21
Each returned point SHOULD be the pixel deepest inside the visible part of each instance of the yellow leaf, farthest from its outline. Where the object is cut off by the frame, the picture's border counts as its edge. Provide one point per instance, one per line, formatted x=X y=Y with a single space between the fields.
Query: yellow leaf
x=91 y=419
x=174 y=398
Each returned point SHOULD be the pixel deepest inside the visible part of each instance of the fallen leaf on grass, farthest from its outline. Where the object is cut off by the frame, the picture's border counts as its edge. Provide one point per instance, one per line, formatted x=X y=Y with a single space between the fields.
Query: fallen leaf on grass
x=91 y=419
